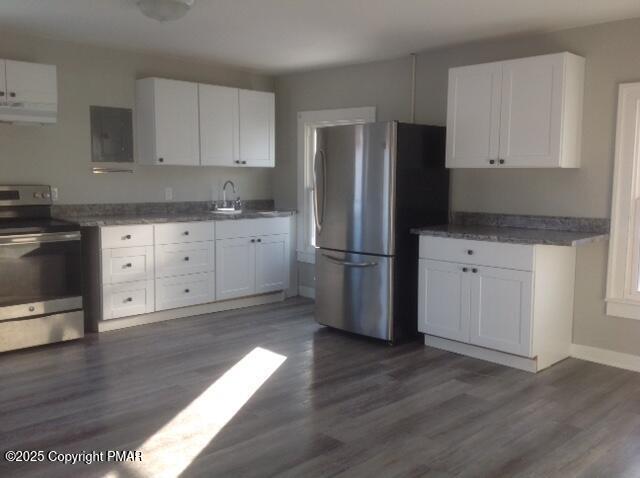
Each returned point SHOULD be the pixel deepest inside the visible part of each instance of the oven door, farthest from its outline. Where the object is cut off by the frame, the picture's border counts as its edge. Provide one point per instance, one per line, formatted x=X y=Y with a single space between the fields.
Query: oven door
x=40 y=274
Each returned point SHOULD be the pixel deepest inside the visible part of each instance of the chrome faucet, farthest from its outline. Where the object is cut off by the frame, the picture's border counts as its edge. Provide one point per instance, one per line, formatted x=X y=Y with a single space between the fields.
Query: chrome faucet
x=224 y=191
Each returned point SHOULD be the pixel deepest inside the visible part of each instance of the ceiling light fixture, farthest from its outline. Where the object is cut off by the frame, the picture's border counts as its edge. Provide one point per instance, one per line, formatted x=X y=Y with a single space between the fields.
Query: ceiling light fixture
x=165 y=10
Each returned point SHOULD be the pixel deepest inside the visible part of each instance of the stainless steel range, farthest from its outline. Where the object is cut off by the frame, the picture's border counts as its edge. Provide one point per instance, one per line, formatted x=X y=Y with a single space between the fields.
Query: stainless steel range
x=40 y=271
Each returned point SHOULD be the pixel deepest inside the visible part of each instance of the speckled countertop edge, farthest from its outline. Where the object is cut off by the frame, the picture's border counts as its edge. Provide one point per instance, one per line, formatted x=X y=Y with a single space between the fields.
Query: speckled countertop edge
x=512 y=235
x=125 y=220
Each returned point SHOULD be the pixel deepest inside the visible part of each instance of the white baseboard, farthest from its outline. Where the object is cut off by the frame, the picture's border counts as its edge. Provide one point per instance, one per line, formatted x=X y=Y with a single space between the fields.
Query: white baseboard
x=606 y=357
x=308 y=292
x=522 y=363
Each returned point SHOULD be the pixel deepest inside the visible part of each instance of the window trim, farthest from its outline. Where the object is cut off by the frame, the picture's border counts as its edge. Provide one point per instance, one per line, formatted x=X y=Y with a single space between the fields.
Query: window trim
x=307 y=121
x=621 y=299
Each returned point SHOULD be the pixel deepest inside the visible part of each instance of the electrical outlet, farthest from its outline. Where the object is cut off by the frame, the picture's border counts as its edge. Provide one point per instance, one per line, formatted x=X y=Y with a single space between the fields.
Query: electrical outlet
x=54 y=194
x=168 y=194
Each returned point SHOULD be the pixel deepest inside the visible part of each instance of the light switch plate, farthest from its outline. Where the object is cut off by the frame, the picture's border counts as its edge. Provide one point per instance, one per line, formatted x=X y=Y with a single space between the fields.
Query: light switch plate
x=168 y=194
x=54 y=194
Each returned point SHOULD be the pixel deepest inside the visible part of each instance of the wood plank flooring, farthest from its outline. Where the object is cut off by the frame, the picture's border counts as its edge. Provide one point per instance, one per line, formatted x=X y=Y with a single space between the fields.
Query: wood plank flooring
x=339 y=405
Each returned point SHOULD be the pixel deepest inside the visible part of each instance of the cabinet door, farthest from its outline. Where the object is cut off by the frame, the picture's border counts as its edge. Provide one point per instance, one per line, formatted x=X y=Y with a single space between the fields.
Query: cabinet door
x=473 y=116
x=31 y=82
x=257 y=128
x=530 y=127
x=235 y=268
x=501 y=309
x=218 y=125
x=272 y=263
x=443 y=300
x=176 y=123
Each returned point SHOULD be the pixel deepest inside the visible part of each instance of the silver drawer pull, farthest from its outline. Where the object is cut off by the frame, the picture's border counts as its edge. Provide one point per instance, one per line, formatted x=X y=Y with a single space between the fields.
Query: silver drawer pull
x=128 y=264
x=186 y=258
x=335 y=260
x=128 y=299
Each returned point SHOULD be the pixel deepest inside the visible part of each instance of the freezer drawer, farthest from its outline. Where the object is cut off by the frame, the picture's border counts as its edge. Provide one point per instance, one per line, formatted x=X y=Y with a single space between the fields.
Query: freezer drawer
x=354 y=292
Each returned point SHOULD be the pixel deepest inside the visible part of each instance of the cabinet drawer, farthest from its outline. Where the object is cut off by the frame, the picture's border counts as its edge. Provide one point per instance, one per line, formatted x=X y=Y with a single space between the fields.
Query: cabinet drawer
x=126 y=236
x=230 y=229
x=183 y=291
x=508 y=256
x=131 y=298
x=182 y=259
x=127 y=264
x=180 y=232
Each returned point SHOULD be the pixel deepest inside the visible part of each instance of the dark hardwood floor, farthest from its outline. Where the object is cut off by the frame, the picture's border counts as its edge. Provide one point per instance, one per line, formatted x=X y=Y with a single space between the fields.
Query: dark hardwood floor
x=338 y=405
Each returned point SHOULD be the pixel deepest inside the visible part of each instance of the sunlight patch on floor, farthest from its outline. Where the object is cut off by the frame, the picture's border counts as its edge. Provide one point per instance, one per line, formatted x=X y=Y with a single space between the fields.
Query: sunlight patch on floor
x=170 y=450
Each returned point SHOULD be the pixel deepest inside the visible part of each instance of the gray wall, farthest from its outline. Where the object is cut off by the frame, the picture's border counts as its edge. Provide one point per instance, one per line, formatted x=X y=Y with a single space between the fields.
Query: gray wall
x=612 y=57
x=60 y=154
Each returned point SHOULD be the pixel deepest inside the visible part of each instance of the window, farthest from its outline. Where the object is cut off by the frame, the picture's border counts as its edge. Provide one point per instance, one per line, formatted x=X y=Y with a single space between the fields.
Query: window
x=308 y=121
x=623 y=279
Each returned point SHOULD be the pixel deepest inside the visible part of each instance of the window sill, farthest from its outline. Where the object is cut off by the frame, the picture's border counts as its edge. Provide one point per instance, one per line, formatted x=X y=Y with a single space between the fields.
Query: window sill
x=623 y=308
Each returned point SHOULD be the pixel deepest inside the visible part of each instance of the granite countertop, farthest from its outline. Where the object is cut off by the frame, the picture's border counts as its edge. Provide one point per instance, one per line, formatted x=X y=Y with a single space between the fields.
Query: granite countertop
x=101 y=220
x=513 y=235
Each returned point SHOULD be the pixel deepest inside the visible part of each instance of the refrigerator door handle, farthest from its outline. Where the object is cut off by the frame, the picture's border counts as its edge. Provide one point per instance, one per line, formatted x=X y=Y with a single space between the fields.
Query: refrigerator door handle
x=319 y=158
x=335 y=260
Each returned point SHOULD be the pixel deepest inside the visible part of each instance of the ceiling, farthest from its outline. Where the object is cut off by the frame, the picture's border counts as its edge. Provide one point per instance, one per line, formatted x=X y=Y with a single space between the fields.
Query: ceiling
x=277 y=36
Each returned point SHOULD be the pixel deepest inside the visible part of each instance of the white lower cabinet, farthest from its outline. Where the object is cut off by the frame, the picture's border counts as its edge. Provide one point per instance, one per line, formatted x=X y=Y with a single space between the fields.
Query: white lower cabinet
x=127 y=298
x=182 y=259
x=252 y=257
x=443 y=300
x=500 y=313
x=272 y=263
x=182 y=291
x=236 y=267
x=148 y=268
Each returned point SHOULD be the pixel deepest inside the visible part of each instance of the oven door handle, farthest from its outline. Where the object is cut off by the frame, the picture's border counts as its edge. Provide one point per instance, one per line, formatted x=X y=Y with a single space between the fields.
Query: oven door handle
x=39 y=238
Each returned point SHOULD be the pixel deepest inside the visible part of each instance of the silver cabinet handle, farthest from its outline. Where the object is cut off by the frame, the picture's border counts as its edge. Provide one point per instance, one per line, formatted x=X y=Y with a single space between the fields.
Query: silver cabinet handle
x=335 y=260
x=319 y=158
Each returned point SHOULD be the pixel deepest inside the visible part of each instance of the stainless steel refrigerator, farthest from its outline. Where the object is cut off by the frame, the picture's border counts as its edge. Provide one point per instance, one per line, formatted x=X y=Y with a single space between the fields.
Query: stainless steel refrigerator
x=373 y=183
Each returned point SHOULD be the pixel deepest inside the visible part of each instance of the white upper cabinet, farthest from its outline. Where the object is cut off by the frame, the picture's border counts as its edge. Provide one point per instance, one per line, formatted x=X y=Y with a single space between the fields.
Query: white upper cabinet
x=524 y=113
x=30 y=82
x=28 y=92
x=219 y=125
x=167 y=122
x=473 y=118
x=190 y=124
x=257 y=128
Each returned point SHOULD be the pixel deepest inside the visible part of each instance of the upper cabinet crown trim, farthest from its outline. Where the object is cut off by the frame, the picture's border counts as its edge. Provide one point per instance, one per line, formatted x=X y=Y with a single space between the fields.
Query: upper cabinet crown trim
x=522 y=113
x=194 y=124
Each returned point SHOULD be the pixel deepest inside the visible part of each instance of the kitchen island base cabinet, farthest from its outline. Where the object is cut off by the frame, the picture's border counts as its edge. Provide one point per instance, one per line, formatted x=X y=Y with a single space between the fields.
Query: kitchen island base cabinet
x=506 y=303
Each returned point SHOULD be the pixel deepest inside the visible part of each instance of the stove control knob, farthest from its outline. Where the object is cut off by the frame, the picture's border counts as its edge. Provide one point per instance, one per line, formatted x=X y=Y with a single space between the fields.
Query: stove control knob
x=31 y=308
x=37 y=195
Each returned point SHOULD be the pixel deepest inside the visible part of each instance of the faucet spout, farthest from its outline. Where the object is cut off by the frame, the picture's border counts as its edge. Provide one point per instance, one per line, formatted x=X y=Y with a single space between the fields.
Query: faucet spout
x=224 y=191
